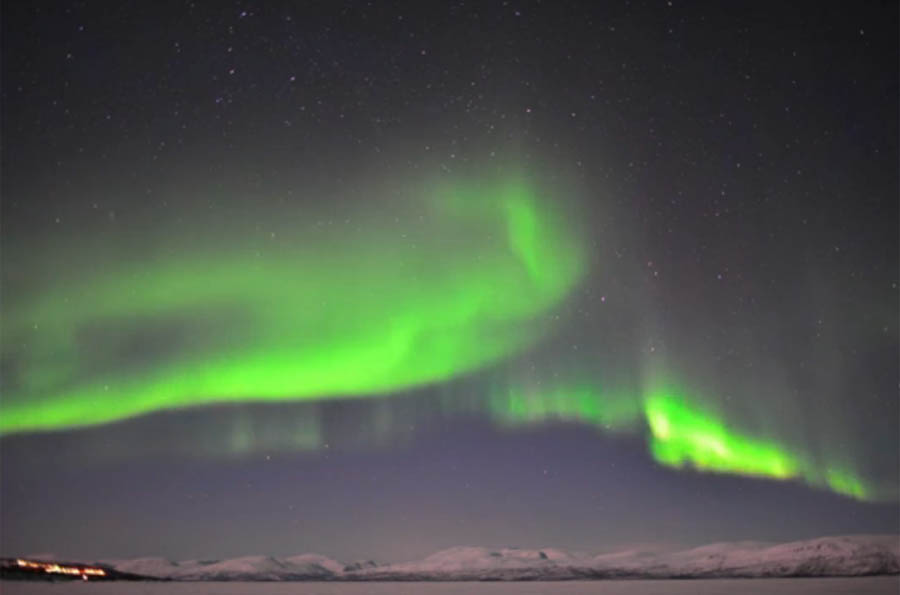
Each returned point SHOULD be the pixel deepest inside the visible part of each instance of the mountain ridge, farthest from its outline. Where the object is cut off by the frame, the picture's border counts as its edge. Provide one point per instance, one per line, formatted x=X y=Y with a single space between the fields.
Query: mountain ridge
x=848 y=555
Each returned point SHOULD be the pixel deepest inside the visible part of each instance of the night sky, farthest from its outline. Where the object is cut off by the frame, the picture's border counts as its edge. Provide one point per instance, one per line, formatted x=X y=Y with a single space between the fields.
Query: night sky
x=375 y=279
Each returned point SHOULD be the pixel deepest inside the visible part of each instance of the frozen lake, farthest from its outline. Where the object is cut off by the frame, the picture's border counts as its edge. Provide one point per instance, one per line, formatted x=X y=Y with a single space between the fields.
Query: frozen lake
x=819 y=586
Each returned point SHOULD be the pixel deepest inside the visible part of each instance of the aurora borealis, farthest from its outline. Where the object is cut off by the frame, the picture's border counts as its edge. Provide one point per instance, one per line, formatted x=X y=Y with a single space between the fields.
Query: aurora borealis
x=390 y=279
x=356 y=317
x=361 y=316
x=679 y=434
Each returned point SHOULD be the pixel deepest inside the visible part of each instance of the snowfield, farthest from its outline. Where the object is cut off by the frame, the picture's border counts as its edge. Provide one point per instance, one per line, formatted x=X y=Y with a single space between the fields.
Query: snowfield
x=861 y=555
x=870 y=585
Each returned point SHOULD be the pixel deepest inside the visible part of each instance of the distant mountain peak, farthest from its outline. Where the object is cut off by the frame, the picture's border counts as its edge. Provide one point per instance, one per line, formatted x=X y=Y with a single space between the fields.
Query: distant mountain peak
x=847 y=555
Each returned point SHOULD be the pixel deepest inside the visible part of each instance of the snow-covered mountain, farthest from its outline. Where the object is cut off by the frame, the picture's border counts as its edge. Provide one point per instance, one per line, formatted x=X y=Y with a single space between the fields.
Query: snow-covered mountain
x=152 y=567
x=360 y=565
x=263 y=568
x=248 y=568
x=826 y=556
x=478 y=563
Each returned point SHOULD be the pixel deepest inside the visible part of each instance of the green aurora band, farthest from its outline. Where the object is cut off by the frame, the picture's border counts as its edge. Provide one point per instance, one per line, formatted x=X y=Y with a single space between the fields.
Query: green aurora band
x=681 y=434
x=352 y=315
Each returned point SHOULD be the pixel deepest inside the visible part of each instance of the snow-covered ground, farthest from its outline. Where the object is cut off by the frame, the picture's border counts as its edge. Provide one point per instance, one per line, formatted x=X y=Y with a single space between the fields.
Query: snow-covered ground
x=877 y=585
x=859 y=555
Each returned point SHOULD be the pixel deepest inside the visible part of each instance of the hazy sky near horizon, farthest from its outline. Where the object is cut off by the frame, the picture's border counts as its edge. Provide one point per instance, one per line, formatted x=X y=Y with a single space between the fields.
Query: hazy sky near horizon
x=374 y=279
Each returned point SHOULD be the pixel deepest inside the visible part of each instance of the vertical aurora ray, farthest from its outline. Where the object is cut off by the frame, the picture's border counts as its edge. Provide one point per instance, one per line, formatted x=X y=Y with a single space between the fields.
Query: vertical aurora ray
x=579 y=404
x=352 y=315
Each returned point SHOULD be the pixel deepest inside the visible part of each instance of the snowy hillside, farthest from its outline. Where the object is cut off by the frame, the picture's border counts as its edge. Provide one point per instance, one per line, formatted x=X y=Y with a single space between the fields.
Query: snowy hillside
x=260 y=568
x=826 y=556
x=152 y=567
x=478 y=563
x=248 y=568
